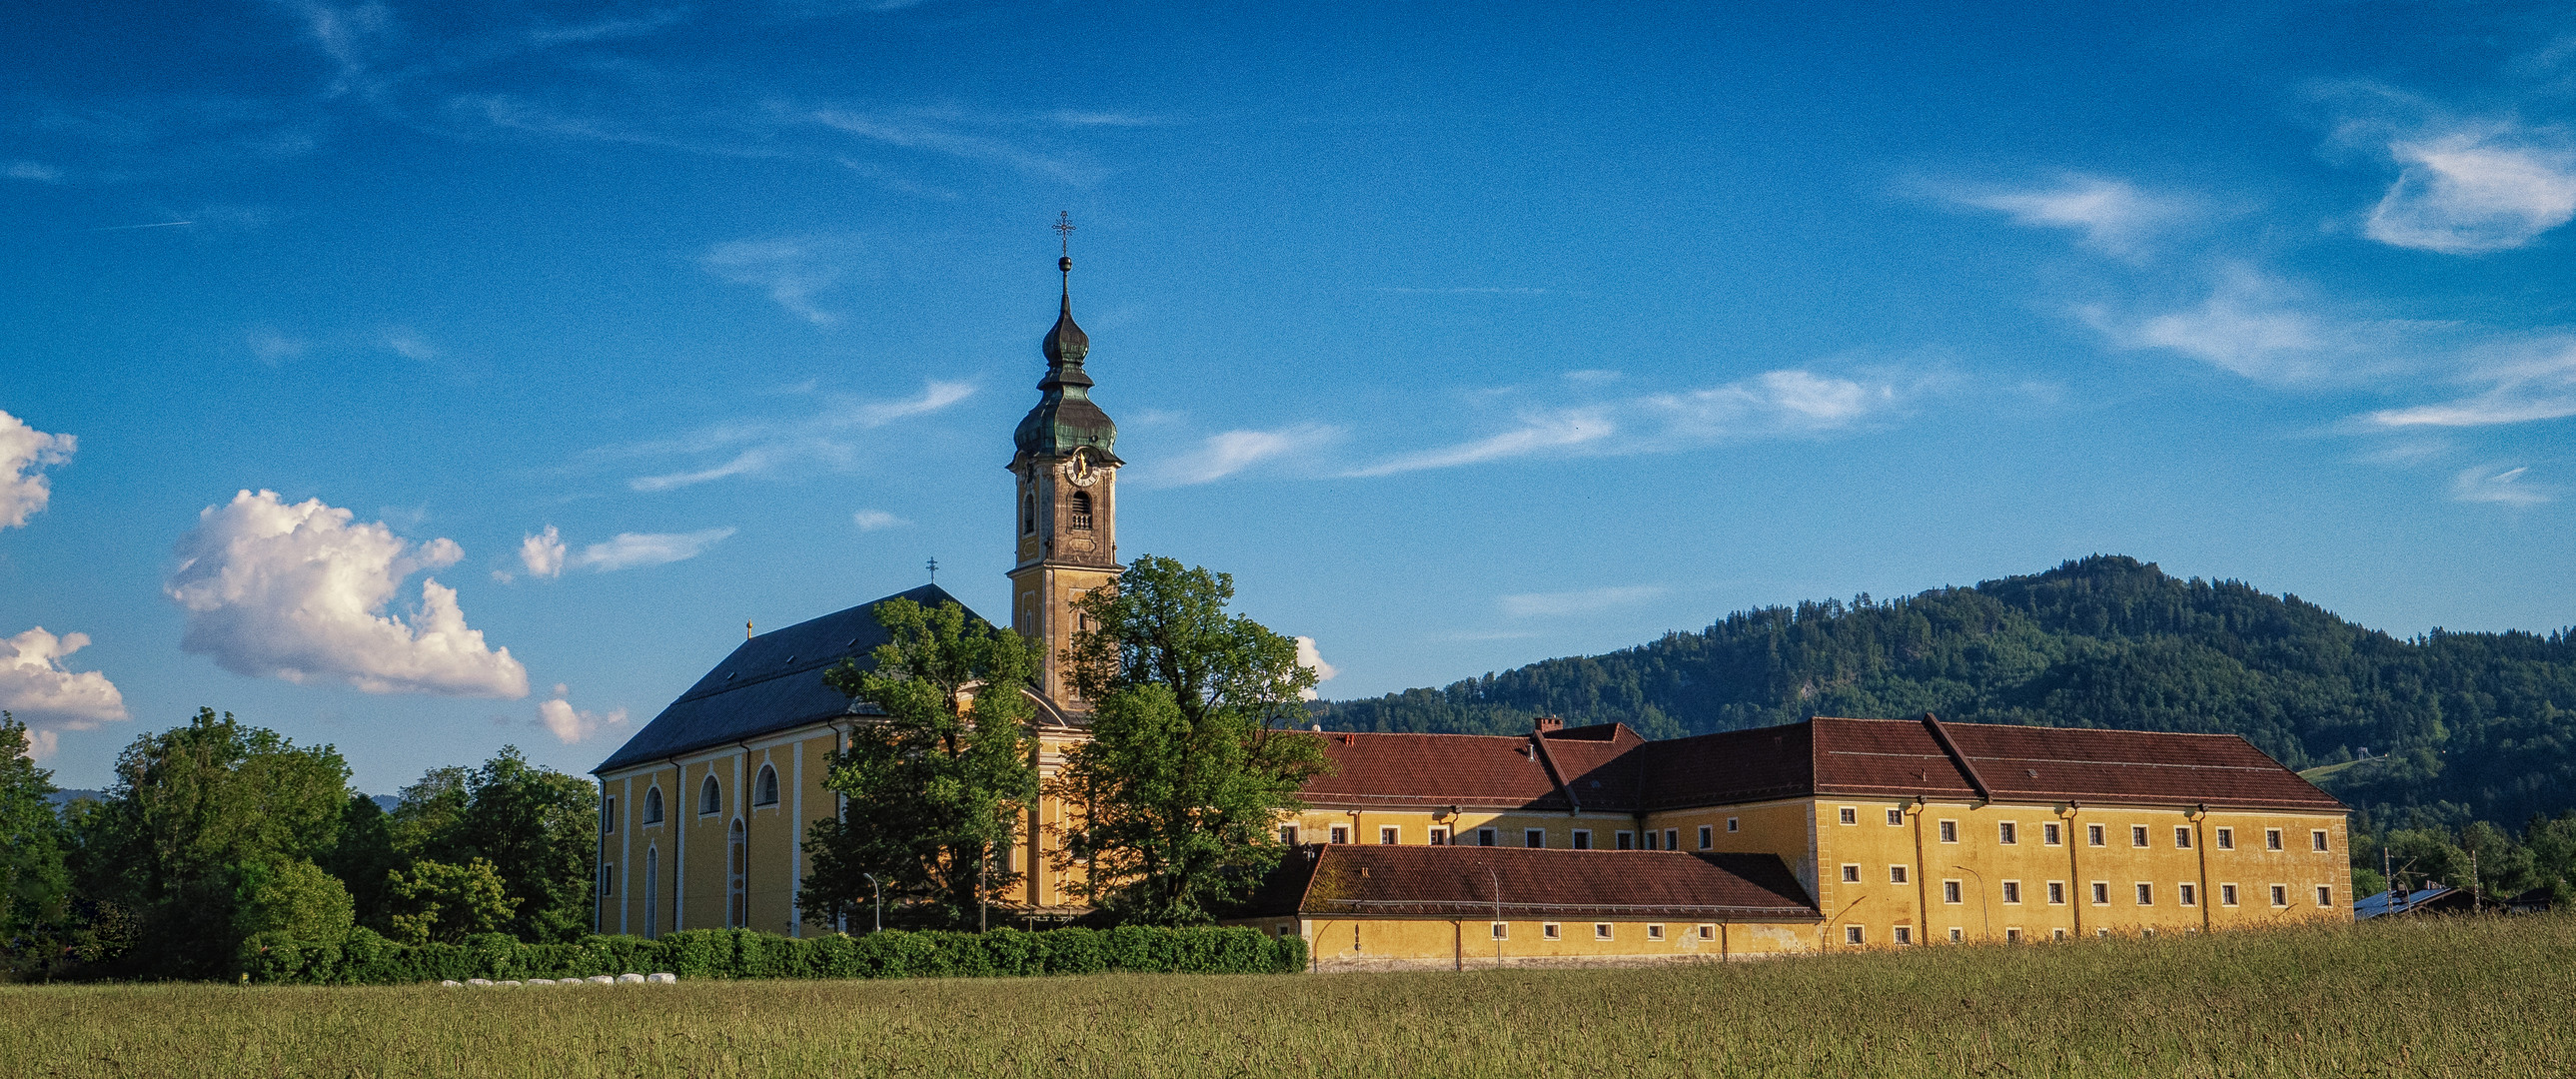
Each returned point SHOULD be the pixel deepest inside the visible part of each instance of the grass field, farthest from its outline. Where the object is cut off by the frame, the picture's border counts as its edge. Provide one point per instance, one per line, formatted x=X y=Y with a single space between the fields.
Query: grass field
x=2492 y=997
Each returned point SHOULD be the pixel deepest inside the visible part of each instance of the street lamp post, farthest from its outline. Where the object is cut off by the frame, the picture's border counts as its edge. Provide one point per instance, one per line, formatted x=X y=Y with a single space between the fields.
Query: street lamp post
x=880 y=893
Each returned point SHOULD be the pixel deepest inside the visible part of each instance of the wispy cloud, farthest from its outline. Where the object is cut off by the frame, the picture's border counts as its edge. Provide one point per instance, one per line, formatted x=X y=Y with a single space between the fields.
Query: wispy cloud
x=1538 y=432
x=759 y=447
x=2479 y=188
x=1585 y=601
x=271 y=346
x=2489 y=483
x=793 y=271
x=2110 y=215
x=32 y=170
x=2532 y=381
x=2273 y=330
x=876 y=520
x=630 y=550
x=408 y=344
x=1226 y=453
x=916 y=132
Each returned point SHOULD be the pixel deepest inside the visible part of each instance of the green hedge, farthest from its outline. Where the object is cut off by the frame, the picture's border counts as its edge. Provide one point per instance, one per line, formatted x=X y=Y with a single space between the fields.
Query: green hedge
x=366 y=958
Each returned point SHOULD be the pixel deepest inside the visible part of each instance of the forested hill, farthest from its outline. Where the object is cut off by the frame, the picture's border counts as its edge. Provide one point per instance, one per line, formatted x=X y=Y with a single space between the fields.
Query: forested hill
x=2454 y=724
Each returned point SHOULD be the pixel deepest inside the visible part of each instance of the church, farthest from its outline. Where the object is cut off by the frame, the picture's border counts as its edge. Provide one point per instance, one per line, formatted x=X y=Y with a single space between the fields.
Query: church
x=1563 y=845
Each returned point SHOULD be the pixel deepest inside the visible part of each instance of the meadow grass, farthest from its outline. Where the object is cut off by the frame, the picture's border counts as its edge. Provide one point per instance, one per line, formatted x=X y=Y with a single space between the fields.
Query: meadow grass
x=2484 y=997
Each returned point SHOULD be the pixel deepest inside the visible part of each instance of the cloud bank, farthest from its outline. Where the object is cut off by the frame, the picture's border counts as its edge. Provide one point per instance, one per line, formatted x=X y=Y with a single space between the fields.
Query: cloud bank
x=297 y=592
x=1313 y=660
x=36 y=688
x=24 y=454
x=570 y=725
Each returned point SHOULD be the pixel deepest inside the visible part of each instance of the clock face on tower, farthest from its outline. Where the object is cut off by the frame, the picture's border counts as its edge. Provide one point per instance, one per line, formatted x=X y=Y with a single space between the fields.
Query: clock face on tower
x=1079 y=468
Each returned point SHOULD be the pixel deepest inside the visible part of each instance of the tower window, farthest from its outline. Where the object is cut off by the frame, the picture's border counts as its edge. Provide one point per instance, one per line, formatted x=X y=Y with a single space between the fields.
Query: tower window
x=1082 y=511
x=1028 y=514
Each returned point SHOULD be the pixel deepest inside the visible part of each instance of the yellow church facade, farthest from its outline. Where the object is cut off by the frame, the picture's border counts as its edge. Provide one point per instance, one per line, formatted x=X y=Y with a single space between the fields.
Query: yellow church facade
x=1564 y=845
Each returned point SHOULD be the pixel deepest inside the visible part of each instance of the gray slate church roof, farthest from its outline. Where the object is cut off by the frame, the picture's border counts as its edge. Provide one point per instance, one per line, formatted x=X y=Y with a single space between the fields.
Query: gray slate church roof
x=770 y=683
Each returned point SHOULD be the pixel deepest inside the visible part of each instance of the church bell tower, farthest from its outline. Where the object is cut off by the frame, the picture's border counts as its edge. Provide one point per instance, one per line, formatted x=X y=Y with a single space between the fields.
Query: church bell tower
x=1066 y=511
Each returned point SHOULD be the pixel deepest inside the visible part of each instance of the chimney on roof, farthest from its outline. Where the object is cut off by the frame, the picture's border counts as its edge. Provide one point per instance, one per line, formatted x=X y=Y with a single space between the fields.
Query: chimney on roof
x=1550 y=723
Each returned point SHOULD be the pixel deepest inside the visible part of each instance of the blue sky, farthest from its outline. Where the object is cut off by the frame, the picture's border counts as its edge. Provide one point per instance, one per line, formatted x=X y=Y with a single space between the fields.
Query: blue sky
x=1463 y=335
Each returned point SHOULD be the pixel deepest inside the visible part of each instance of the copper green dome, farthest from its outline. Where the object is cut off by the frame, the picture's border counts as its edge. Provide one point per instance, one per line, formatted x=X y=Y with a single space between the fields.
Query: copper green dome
x=1065 y=418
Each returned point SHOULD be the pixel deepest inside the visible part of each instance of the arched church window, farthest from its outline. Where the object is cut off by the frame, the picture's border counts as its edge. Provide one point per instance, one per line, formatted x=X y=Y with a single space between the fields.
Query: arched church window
x=765 y=792
x=708 y=802
x=1082 y=511
x=653 y=806
x=1028 y=514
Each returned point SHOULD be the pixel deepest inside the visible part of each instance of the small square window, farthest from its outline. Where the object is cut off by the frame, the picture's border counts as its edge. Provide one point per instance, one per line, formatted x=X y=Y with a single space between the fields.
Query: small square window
x=1583 y=839
x=2057 y=934
x=2101 y=893
x=1341 y=834
x=1386 y=836
x=1551 y=930
x=1485 y=837
x=1950 y=891
x=2146 y=895
x=1852 y=934
x=2227 y=839
x=1287 y=835
x=2012 y=936
x=1626 y=840
x=2104 y=933
x=2057 y=893
x=1955 y=935
x=2189 y=895
x=2182 y=838
x=1654 y=932
x=1672 y=839
x=1730 y=824
x=1286 y=929
x=1903 y=934
x=1502 y=930
x=2280 y=895
x=1535 y=837
x=1849 y=815
x=2317 y=840
x=2325 y=895
x=1439 y=837
x=1949 y=831
x=1896 y=874
x=2007 y=833
x=1600 y=930
x=1708 y=932
x=2137 y=835
x=1851 y=874
x=2012 y=891
x=2271 y=839
x=2226 y=895
x=2051 y=835
x=1896 y=818
x=1707 y=838
x=2093 y=835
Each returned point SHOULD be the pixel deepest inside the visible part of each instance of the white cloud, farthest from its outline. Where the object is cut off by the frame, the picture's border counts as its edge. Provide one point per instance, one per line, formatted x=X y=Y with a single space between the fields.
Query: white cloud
x=2488 y=187
x=1313 y=660
x=821 y=438
x=409 y=345
x=32 y=170
x=2536 y=381
x=935 y=396
x=543 y=553
x=939 y=135
x=35 y=686
x=628 y=550
x=1771 y=403
x=1541 y=604
x=873 y=520
x=794 y=271
x=2488 y=483
x=295 y=592
x=273 y=347
x=42 y=745
x=2112 y=215
x=1229 y=452
x=24 y=452
x=569 y=725
x=1539 y=432
x=2254 y=325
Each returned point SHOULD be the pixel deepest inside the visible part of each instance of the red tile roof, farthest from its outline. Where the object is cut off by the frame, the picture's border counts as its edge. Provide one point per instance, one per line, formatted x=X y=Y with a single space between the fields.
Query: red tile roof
x=1353 y=881
x=1609 y=768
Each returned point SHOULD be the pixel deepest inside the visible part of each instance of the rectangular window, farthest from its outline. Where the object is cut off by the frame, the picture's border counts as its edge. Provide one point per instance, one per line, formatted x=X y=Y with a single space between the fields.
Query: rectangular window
x=1286 y=929
x=2057 y=893
x=1582 y=839
x=1647 y=837
x=1896 y=818
x=1851 y=874
x=1848 y=815
x=1439 y=837
x=1904 y=934
x=2093 y=835
x=2227 y=839
x=2101 y=893
x=2280 y=896
x=2317 y=840
x=1896 y=874
x=1851 y=934
x=1534 y=837
x=1708 y=932
x=1730 y=824
x=608 y=879
x=2137 y=835
x=1551 y=930
x=2182 y=837
x=2189 y=895
x=1955 y=936
x=1485 y=837
x=1707 y=839
x=2007 y=833
x=1341 y=834
x=2012 y=891
x=1672 y=839
x=2057 y=934
x=1386 y=837
x=608 y=816
x=1287 y=835
x=2051 y=835
x=2012 y=936
x=1949 y=831
x=2146 y=895
x=1626 y=840
x=1600 y=930
x=1654 y=932
x=1502 y=930
x=1949 y=891
x=2226 y=895
x=2271 y=839
x=2325 y=895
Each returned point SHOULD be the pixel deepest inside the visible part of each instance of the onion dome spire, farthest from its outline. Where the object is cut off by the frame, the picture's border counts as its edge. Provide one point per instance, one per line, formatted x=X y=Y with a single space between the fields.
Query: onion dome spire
x=1065 y=418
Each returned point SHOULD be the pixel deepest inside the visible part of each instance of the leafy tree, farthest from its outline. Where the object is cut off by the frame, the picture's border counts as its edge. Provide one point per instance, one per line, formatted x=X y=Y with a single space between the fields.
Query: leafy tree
x=538 y=829
x=1191 y=759
x=297 y=898
x=363 y=856
x=443 y=903
x=933 y=788
x=193 y=815
x=34 y=884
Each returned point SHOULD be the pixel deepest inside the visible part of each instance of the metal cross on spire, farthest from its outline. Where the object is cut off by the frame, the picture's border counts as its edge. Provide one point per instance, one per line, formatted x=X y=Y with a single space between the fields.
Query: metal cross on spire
x=1064 y=241
x=934 y=571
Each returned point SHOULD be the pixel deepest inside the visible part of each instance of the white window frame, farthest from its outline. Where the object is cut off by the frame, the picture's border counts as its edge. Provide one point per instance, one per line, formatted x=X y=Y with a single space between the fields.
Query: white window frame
x=2272 y=840
x=2325 y=896
x=2096 y=835
x=1896 y=817
x=2280 y=897
x=2052 y=834
x=1672 y=839
x=2182 y=837
x=1957 y=935
x=2012 y=934
x=1847 y=815
x=1439 y=835
x=2319 y=842
x=2008 y=833
x=610 y=816
x=1855 y=936
x=2146 y=891
x=1730 y=824
x=1898 y=874
x=1390 y=835
x=607 y=880
x=2012 y=892
x=1501 y=930
x=2226 y=839
x=2100 y=891
x=2226 y=895
x=1341 y=833
x=1654 y=931
x=1901 y=935
x=1551 y=930
x=1602 y=931
x=2188 y=893
x=1948 y=831
x=1707 y=931
x=1583 y=839
x=1953 y=892
x=2056 y=893
x=1851 y=872
x=2138 y=837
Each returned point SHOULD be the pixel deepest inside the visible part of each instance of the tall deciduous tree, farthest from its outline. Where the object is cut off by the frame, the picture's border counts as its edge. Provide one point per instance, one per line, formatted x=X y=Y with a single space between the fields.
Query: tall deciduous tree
x=538 y=828
x=933 y=788
x=1192 y=756
x=33 y=882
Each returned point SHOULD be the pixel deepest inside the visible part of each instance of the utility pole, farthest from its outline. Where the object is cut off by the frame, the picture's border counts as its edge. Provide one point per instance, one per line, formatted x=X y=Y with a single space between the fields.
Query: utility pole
x=879 y=889
x=1498 y=916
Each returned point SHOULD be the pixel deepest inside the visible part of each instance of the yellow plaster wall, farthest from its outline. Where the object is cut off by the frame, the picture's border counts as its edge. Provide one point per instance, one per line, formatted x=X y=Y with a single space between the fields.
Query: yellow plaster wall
x=1365 y=943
